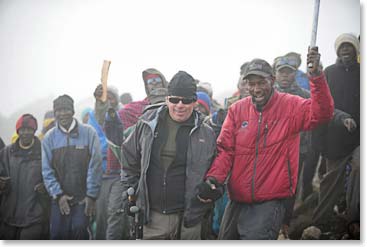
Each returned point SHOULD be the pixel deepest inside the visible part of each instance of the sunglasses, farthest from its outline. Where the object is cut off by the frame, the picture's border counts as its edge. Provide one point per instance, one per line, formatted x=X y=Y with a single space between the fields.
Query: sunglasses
x=185 y=101
x=155 y=79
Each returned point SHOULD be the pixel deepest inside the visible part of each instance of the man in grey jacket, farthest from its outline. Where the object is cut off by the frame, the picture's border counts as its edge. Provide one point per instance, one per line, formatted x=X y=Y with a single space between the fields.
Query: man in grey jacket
x=166 y=158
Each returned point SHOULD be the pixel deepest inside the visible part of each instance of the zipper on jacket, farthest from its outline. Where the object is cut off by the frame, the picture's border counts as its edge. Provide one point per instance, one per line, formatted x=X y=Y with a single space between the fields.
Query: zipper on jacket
x=164 y=202
x=265 y=134
x=256 y=154
x=289 y=176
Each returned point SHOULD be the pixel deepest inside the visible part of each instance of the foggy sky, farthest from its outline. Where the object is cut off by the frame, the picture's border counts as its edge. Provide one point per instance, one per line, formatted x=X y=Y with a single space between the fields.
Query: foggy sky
x=48 y=48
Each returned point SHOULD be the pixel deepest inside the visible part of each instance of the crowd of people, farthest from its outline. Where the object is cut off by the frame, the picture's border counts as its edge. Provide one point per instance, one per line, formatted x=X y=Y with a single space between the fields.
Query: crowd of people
x=180 y=165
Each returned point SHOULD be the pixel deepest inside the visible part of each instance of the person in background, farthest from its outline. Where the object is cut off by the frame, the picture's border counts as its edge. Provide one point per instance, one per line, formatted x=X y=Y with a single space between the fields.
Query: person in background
x=110 y=164
x=72 y=172
x=203 y=103
x=48 y=123
x=259 y=147
x=242 y=88
x=301 y=77
x=206 y=87
x=126 y=98
x=84 y=116
x=152 y=79
x=342 y=141
x=24 y=201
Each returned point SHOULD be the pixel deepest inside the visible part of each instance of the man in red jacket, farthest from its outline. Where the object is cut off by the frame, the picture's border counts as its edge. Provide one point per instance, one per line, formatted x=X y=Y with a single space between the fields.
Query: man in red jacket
x=259 y=147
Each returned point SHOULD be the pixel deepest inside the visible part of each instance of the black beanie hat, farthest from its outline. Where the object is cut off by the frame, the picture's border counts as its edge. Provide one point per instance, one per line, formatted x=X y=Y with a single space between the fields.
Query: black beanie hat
x=64 y=101
x=182 y=84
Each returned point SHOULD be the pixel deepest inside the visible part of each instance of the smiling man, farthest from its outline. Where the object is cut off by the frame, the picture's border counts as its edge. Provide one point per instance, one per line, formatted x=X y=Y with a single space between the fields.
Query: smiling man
x=72 y=172
x=166 y=157
x=259 y=146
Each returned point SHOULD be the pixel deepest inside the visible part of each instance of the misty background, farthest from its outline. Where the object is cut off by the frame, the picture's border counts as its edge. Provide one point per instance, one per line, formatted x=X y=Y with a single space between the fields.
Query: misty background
x=49 y=48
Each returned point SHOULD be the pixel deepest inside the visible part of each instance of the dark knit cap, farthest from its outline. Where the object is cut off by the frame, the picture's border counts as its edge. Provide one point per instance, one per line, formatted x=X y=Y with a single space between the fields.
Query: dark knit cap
x=26 y=121
x=182 y=84
x=64 y=102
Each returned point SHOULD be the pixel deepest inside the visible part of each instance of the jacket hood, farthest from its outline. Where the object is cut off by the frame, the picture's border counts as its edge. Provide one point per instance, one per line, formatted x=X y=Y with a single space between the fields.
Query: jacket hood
x=154 y=72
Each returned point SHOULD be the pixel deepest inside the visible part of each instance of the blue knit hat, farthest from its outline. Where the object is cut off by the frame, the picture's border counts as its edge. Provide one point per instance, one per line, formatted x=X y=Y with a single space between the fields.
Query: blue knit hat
x=204 y=100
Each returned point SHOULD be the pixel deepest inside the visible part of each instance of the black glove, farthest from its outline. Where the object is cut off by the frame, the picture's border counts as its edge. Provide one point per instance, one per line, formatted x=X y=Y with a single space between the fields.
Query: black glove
x=206 y=192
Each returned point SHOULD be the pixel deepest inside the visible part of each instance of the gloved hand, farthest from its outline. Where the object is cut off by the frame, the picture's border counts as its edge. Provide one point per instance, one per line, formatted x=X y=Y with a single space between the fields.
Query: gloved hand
x=90 y=206
x=40 y=188
x=64 y=204
x=4 y=184
x=210 y=190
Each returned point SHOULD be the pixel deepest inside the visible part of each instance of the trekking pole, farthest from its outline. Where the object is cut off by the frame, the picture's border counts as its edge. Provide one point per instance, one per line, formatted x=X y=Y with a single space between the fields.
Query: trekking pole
x=138 y=226
x=314 y=27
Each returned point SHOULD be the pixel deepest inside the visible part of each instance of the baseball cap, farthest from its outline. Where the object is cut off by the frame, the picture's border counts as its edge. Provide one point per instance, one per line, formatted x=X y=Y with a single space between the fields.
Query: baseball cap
x=258 y=67
x=285 y=62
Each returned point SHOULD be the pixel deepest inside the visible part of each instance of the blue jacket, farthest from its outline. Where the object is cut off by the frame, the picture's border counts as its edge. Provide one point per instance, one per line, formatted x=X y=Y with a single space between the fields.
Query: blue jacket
x=101 y=136
x=72 y=162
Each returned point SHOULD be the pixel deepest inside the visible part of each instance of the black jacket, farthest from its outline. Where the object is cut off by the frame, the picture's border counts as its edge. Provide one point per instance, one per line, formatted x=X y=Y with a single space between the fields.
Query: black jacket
x=22 y=206
x=344 y=83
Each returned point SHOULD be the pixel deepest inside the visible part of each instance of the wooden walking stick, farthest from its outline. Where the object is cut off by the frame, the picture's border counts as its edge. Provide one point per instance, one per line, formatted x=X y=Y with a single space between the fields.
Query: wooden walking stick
x=104 y=77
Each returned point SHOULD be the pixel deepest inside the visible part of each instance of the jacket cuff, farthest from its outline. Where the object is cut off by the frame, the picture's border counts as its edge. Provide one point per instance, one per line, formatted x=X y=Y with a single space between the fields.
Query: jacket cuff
x=318 y=78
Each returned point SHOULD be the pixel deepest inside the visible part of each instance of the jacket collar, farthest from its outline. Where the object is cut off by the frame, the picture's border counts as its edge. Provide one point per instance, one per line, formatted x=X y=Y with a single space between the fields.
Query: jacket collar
x=73 y=130
x=339 y=63
x=18 y=151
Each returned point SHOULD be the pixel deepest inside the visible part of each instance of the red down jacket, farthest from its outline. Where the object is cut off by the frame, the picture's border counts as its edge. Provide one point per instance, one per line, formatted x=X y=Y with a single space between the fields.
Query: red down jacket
x=261 y=149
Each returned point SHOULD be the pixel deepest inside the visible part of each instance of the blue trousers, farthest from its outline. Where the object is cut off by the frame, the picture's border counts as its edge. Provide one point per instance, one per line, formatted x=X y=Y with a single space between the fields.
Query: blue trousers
x=74 y=226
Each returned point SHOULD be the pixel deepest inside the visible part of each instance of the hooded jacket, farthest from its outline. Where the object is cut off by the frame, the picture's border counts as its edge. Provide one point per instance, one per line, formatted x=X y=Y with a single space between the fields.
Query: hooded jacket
x=154 y=72
x=261 y=149
x=200 y=153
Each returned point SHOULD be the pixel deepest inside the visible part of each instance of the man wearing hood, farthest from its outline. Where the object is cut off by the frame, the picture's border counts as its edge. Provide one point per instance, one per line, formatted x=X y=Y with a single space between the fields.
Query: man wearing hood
x=153 y=79
x=166 y=158
x=156 y=90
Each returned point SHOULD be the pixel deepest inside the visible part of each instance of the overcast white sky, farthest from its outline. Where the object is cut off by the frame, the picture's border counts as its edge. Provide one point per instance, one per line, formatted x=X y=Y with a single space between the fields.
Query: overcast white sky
x=54 y=47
